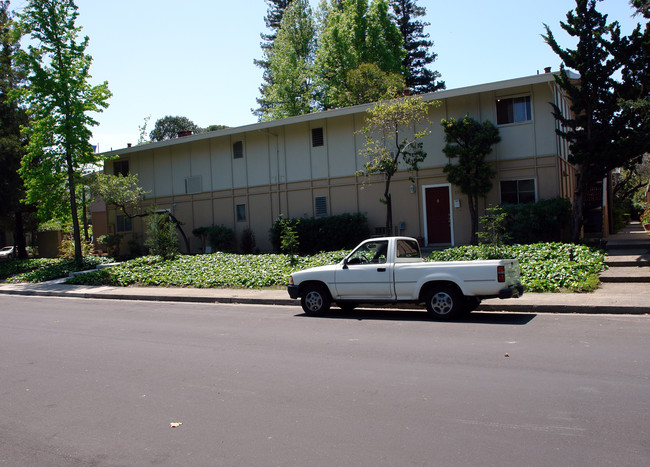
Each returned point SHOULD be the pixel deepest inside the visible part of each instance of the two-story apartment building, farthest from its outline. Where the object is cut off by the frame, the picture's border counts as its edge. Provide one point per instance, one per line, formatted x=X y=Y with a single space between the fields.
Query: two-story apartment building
x=305 y=166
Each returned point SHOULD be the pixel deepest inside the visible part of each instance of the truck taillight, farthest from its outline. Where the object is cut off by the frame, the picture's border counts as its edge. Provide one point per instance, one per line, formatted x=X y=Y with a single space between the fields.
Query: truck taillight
x=501 y=273
x=290 y=280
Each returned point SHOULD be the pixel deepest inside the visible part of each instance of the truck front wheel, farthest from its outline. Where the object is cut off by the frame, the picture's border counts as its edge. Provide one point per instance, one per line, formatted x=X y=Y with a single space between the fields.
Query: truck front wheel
x=444 y=302
x=315 y=301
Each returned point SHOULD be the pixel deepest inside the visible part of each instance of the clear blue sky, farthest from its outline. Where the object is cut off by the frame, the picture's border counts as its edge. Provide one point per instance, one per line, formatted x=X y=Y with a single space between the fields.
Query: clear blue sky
x=194 y=58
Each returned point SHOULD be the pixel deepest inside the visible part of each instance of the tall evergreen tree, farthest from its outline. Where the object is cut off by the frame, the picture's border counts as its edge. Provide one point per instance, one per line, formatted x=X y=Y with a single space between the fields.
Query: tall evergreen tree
x=12 y=117
x=419 y=78
x=60 y=99
x=290 y=60
x=273 y=18
x=590 y=131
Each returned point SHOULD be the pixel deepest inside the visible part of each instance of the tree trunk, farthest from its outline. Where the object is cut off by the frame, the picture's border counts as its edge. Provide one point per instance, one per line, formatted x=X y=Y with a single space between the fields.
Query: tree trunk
x=576 y=213
x=473 y=212
x=389 y=208
x=76 y=231
x=19 y=234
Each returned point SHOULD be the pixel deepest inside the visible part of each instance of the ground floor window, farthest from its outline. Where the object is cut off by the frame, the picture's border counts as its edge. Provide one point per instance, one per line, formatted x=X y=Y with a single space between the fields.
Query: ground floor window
x=123 y=224
x=240 y=210
x=518 y=191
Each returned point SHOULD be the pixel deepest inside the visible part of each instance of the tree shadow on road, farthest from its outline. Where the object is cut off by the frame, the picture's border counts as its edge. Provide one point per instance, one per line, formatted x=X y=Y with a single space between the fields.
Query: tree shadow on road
x=375 y=314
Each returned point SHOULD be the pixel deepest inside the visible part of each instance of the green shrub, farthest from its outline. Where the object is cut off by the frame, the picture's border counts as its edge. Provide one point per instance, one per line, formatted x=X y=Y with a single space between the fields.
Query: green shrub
x=45 y=269
x=247 y=243
x=221 y=238
x=162 y=238
x=318 y=234
x=544 y=221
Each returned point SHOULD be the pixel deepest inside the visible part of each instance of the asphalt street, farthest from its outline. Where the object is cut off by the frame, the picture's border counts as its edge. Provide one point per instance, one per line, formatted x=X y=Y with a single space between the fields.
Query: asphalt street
x=100 y=382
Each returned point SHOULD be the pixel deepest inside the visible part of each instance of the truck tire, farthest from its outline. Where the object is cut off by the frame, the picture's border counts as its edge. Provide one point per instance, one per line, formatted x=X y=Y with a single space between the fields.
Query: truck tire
x=444 y=302
x=315 y=301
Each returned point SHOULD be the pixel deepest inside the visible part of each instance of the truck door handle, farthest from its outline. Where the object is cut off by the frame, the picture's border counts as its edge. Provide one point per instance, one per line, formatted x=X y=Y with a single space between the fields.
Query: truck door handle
x=381 y=269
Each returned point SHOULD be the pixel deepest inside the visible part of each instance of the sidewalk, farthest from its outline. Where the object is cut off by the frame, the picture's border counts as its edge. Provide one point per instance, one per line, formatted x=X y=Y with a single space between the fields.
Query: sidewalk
x=628 y=257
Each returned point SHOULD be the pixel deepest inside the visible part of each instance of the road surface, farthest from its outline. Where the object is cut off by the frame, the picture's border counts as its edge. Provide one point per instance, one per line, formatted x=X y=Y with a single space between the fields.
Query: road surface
x=94 y=382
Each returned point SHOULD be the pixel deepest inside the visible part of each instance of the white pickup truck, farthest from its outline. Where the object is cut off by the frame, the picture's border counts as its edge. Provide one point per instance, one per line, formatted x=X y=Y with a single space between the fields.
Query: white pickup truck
x=390 y=270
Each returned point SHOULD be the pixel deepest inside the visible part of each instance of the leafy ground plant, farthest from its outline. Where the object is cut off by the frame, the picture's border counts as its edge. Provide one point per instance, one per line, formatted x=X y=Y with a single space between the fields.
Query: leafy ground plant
x=45 y=269
x=202 y=271
x=544 y=267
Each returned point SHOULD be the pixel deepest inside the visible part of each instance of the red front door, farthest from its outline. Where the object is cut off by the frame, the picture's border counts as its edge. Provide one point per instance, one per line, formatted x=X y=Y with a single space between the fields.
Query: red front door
x=438 y=215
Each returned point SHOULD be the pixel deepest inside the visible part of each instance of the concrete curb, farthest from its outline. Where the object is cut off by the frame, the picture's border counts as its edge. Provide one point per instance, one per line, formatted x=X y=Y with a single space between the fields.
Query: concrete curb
x=505 y=306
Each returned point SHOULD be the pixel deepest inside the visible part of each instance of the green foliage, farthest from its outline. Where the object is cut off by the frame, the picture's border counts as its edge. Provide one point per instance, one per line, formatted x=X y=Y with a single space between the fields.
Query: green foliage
x=162 y=239
x=45 y=269
x=419 y=78
x=61 y=100
x=169 y=127
x=368 y=83
x=471 y=142
x=119 y=191
x=494 y=227
x=67 y=248
x=247 y=242
x=353 y=32
x=289 y=63
x=202 y=271
x=544 y=267
x=318 y=234
x=391 y=141
x=221 y=238
x=544 y=221
x=645 y=216
x=289 y=241
x=111 y=242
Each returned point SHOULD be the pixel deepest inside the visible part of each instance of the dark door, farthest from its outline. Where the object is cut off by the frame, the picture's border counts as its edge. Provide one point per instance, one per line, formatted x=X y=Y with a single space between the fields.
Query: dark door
x=438 y=215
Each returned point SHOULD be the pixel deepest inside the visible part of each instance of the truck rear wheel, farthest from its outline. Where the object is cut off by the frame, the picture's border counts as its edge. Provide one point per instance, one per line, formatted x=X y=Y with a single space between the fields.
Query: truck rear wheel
x=315 y=301
x=444 y=302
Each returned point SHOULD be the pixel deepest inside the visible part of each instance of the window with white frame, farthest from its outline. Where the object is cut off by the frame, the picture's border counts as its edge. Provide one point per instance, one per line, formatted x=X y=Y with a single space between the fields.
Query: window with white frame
x=518 y=191
x=514 y=110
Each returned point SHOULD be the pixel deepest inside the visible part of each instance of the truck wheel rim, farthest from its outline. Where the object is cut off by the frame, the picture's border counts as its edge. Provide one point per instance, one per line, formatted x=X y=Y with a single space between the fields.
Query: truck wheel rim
x=442 y=303
x=314 y=301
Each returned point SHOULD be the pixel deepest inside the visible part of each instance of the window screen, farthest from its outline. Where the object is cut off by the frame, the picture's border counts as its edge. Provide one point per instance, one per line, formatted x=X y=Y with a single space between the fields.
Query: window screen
x=317 y=138
x=320 y=205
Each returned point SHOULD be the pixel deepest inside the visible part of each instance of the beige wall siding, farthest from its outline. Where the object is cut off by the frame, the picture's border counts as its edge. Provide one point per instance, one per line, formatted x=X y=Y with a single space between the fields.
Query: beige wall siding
x=282 y=173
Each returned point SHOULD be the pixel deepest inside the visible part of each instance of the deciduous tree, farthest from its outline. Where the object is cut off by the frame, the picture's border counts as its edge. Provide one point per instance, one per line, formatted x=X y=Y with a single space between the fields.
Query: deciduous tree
x=351 y=33
x=60 y=99
x=169 y=127
x=393 y=132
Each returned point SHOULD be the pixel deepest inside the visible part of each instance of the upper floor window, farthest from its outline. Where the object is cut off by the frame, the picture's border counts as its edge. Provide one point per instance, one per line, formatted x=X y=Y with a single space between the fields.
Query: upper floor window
x=238 y=150
x=121 y=168
x=317 y=137
x=518 y=191
x=513 y=110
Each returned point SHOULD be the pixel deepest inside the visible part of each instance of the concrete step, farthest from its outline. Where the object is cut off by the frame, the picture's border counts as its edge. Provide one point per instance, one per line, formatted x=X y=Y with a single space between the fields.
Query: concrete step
x=624 y=259
x=629 y=274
